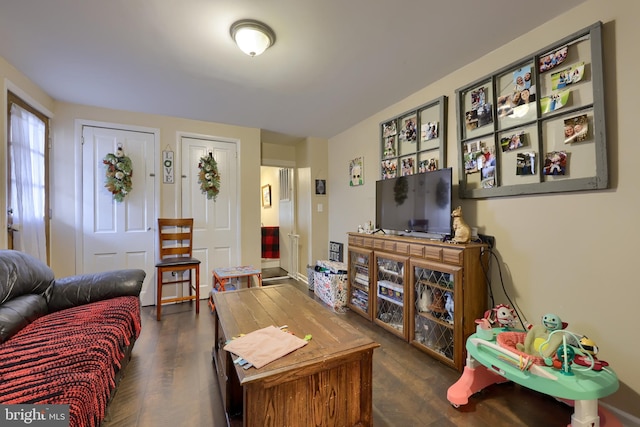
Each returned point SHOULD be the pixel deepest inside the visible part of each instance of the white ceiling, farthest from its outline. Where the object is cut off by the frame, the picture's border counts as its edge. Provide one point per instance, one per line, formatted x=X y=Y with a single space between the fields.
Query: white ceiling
x=334 y=63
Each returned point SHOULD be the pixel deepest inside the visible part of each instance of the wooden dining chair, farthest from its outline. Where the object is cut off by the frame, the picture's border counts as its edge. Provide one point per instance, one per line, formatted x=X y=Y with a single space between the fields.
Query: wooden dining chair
x=175 y=239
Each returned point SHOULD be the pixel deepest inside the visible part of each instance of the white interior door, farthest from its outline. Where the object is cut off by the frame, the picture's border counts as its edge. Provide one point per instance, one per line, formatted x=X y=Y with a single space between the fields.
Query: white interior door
x=286 y=219
x=216 y=234
x=115 y=234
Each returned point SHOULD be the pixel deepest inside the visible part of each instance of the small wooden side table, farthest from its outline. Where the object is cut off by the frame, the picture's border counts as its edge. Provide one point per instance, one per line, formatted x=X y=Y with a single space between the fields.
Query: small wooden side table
x=221 y=276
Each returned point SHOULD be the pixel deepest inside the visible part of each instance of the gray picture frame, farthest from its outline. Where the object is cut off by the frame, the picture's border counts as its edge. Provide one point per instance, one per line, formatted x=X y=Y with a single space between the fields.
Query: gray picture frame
x=541 y=130
x=427 y=144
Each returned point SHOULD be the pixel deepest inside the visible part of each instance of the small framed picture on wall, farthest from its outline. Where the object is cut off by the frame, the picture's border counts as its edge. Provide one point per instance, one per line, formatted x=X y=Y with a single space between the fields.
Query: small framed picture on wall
x=266 y=195
x=321 y=186
x=356 y=172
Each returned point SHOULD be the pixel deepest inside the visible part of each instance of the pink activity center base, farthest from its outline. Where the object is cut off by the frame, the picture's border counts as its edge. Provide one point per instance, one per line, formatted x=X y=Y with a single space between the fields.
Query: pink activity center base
x=476 y=376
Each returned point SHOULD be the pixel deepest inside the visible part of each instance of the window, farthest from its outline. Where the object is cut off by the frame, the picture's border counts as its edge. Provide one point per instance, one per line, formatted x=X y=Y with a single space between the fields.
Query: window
x=27 y=191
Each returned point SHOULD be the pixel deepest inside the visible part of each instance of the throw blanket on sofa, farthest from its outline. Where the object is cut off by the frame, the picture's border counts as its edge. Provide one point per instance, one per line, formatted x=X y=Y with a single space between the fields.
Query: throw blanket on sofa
x=70 y=357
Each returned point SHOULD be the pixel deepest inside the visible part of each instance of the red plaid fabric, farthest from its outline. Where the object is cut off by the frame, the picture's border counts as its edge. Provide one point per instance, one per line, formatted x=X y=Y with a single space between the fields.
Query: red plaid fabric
x=270 y=242
x=70 y=357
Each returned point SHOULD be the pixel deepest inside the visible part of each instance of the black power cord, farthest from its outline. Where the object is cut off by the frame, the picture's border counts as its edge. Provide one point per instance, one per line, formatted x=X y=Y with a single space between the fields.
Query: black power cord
x=487 y=271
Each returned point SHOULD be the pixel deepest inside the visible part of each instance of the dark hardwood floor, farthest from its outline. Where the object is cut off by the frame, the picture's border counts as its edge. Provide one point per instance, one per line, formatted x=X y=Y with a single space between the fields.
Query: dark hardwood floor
x=170 y=381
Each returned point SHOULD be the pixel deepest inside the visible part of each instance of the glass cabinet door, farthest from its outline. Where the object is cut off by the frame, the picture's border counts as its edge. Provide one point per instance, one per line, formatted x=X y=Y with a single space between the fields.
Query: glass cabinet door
x=436 y=325
x=360 y=282
x=389 y=293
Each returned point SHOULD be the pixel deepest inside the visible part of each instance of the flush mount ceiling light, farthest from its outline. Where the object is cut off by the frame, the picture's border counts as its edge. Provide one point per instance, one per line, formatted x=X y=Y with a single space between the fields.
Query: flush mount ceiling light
x=252 y=37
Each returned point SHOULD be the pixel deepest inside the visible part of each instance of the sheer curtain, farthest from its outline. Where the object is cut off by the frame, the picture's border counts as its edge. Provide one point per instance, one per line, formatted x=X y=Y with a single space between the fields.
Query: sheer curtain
x=27 y=156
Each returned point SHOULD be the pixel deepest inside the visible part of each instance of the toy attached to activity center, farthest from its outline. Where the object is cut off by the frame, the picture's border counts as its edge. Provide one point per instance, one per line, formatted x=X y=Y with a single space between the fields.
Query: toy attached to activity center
x=545 y=357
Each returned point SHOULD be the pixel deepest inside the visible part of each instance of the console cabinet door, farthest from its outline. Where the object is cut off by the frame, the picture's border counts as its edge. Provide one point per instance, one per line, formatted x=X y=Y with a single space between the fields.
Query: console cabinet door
x=360 y=273
x=436 y=310
x=389 y=290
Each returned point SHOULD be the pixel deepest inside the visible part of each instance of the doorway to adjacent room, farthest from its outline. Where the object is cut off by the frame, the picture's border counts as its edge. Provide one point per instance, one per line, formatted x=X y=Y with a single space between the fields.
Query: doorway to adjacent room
x=278 y=222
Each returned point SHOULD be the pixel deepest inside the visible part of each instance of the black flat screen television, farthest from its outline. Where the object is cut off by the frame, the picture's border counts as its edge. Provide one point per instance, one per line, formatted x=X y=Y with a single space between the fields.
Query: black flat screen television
x=419 y=203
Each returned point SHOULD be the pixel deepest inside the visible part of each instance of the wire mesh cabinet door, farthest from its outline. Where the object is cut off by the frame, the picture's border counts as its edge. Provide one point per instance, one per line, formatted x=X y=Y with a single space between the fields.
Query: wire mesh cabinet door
x=390 y=295
x=360 y=274
x=437 y=310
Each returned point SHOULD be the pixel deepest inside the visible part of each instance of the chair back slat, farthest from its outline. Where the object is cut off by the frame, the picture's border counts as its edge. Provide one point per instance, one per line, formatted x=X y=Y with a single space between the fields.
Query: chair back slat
x=167 y=235
x=184 y=251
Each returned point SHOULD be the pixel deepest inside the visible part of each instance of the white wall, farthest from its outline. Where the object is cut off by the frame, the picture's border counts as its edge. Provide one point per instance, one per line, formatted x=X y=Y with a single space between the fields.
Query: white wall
x=572 y=254
x=64 y=178
x=312 y=210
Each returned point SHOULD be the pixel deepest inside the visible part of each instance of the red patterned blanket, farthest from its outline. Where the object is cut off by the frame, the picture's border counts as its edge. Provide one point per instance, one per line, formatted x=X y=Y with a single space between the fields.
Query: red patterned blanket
x=70 y=357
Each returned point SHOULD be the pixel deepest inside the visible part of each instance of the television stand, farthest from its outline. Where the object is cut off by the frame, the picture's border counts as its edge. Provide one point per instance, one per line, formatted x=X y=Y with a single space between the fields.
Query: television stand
x=402 y=284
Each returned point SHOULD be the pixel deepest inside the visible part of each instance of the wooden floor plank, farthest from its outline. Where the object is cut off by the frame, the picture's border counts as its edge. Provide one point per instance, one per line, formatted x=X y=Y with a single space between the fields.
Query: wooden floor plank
x=170 y=381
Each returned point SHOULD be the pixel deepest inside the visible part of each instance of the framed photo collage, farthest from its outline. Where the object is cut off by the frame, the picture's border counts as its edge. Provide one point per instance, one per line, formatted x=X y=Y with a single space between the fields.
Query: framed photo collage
x=414 y=141
x=538 y=125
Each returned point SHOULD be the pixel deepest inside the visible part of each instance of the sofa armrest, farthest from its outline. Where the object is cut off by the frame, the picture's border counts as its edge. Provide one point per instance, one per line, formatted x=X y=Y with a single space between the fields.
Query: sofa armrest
x=86 y=288
x=18 y=312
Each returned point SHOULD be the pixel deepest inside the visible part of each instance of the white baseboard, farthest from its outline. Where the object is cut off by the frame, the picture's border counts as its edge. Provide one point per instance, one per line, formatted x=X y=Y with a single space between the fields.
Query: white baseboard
x=270 y=263
x=625 y=418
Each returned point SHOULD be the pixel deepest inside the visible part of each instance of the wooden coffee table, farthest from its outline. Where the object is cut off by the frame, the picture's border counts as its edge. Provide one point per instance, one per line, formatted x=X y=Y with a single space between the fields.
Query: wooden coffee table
x=326 y=382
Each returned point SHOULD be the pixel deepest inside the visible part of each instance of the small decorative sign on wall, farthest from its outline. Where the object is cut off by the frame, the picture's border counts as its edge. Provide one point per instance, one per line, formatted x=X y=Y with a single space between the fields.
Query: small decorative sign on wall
x=335 y=251
x=356 y=172
x=167 y=167
x=321 y=187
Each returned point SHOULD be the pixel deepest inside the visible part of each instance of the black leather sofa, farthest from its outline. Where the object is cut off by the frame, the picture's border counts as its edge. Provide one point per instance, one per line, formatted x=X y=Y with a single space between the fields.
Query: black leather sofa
x=65 y=341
